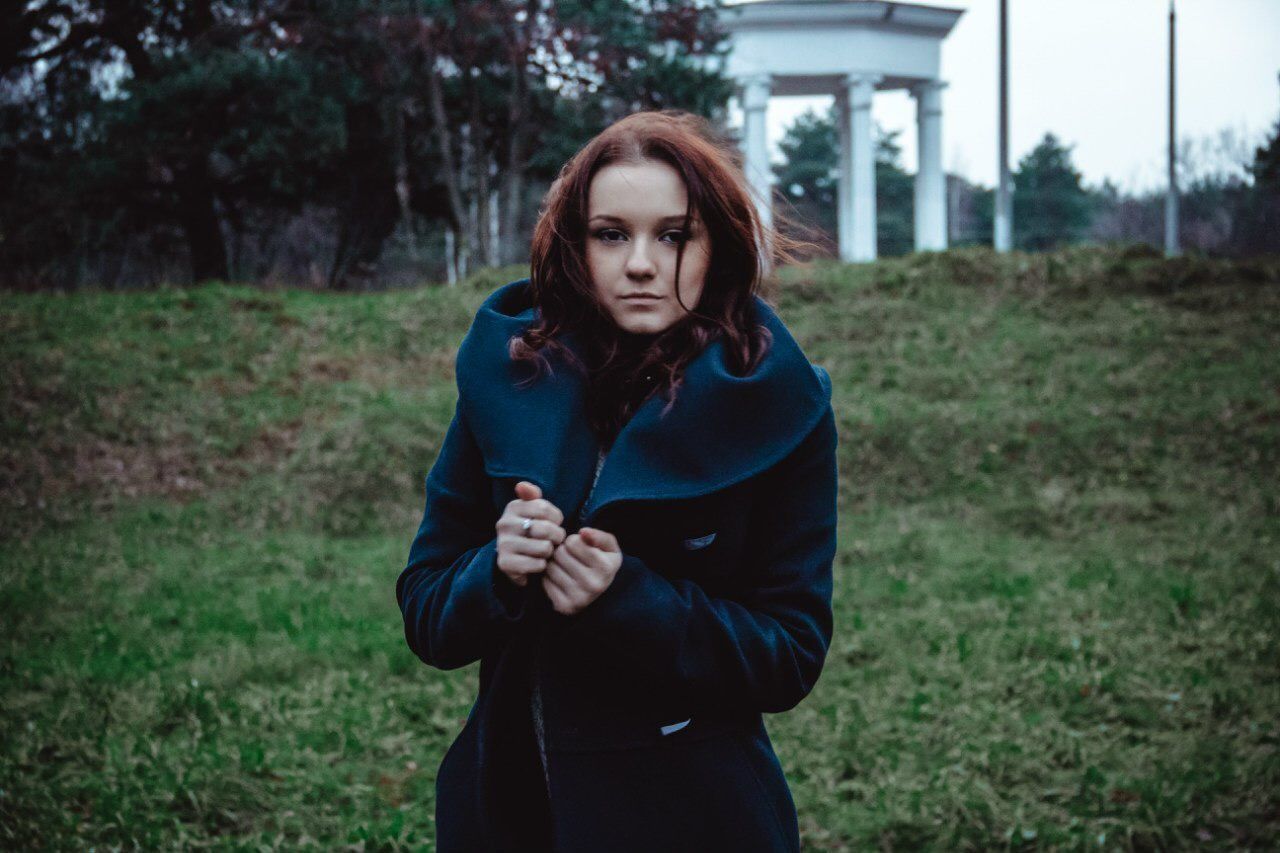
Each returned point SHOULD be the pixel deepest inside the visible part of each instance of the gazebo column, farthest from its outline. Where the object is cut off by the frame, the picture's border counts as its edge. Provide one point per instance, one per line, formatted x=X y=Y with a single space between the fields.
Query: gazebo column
x=857 y=189
x=931 y=182
x=844 y=182
x=755 y=102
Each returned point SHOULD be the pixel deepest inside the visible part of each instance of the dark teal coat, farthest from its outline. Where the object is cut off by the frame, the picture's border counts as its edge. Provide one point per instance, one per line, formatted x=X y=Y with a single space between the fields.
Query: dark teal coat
x=725 y=510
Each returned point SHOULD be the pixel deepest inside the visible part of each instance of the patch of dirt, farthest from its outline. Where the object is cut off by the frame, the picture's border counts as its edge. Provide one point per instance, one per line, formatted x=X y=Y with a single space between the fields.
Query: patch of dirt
x=429 y=368
x=324 y=368
x=59 y=469
x=64 y=477
x=132 y=471
x=273 y=444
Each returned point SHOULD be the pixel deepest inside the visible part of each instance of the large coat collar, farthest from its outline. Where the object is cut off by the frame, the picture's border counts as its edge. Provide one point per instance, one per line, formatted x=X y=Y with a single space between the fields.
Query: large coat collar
x=722 y=429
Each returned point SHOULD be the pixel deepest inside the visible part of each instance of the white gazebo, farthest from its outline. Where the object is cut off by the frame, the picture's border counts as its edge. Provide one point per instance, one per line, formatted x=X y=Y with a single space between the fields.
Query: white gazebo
x=850 y=49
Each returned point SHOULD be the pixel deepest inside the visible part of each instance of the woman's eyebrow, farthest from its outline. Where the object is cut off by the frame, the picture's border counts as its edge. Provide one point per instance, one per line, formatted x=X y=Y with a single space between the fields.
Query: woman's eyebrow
x=608 y=217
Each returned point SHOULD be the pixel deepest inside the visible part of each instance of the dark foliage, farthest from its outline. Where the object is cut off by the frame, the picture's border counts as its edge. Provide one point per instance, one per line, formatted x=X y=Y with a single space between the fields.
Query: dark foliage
x=270 y=139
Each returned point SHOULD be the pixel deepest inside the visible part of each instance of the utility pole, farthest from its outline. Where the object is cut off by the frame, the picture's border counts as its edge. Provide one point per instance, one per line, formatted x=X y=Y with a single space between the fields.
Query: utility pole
x=1004 y=198
x=1171 y=245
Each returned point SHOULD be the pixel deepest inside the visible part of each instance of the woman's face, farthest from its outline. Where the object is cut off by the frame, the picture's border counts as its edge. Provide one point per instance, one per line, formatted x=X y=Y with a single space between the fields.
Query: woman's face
x=634 y=216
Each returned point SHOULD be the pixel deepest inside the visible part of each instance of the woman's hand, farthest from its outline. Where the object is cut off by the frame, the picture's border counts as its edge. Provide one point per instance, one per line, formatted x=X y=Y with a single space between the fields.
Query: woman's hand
x=522 y=553
x=581 y=569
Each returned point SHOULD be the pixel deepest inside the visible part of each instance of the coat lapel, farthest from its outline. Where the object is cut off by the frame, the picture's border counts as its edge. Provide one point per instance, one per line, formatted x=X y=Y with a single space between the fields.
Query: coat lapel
x=722 y=429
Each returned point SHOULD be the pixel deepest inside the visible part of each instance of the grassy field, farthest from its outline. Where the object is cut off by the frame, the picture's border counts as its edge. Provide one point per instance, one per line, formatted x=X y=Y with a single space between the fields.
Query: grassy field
x=1057 y=587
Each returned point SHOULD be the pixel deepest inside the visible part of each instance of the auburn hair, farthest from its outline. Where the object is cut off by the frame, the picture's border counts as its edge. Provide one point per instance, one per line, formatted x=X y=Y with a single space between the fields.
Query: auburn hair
x=619 y=378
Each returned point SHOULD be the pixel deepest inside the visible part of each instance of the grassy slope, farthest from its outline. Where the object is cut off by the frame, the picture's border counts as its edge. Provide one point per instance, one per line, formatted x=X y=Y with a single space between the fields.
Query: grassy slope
x=1057 y=588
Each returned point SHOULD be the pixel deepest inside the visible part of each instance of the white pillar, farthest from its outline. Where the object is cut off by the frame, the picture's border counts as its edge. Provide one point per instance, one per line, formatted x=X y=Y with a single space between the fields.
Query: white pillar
x=931 y=183
x=859 y=90
x=755 y=103
x=844 y=185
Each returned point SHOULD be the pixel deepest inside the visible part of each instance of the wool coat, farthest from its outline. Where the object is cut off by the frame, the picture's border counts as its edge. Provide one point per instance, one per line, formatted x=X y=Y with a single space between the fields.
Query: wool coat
x=650 y=734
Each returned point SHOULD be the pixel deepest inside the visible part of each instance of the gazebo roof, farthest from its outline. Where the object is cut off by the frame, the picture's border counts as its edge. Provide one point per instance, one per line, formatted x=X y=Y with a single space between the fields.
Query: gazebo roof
x=912 y=17
x=808 y=46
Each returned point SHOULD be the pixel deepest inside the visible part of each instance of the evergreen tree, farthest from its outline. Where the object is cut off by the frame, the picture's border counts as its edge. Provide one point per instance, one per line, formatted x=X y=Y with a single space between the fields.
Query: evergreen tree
x=809 y=179
x=895 y=198
x=809 y=176
x=1259 y=223
x=1050 y=205
x=182 y=122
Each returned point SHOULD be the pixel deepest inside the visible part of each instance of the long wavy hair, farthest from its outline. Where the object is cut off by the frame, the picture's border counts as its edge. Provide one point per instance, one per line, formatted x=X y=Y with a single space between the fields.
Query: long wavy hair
x=620 y=375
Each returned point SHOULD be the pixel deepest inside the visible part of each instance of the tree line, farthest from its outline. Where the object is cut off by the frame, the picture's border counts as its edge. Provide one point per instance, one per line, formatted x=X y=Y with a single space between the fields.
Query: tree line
x=1229 y=196
x=357 y=143
x=146 y=141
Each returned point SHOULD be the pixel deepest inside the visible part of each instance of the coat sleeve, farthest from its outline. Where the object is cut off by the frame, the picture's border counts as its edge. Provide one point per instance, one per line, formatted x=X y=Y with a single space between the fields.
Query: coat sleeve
x=765 y=647
x=455 y=601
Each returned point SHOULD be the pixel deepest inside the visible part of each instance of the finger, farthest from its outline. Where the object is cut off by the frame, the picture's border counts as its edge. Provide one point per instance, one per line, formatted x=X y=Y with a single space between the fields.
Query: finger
x=512 y=522
x=531 y=546
x=544 y=529
x=559 y=601
x=582 y=551
x=584 y=577
x=539 y=508
x=565 y=583
x=549 y=511
x=520 y=564
x=602 y=539
x=527 y=491
x=560 y=584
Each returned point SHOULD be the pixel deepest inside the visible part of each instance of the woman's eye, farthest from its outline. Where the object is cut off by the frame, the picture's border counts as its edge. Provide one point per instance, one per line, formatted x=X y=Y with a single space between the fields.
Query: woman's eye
x=673 y=237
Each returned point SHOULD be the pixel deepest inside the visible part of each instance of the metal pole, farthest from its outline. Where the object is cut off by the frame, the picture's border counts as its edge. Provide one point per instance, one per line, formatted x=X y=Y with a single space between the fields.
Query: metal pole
x=1004 y=199
x=1171 y=246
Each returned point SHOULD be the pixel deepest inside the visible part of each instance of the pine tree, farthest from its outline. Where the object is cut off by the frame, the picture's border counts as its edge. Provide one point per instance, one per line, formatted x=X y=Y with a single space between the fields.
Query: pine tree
x=809 y=180
x=1050 y=205
x=1259 y=221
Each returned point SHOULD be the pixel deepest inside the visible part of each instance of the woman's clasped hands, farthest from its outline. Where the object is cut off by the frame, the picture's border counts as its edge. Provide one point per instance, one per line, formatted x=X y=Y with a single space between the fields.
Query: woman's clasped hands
x=574 y=570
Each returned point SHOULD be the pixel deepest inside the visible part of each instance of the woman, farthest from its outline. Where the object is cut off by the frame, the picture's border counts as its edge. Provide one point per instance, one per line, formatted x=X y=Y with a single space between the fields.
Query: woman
x=632 y=521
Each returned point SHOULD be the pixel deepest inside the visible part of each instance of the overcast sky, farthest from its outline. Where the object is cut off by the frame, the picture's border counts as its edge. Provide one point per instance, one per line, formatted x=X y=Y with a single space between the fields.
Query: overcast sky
x=1094 y=72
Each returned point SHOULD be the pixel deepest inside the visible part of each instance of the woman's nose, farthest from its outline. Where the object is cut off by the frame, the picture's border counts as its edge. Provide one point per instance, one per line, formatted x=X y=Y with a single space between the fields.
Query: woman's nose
x=640 y=261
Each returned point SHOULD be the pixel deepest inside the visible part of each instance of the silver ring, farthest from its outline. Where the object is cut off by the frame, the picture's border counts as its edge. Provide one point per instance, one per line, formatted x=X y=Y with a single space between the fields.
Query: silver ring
x=525 y=525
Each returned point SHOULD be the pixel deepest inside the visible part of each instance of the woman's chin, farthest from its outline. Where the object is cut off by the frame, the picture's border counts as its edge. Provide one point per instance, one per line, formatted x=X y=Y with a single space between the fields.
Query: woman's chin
x=643 y=325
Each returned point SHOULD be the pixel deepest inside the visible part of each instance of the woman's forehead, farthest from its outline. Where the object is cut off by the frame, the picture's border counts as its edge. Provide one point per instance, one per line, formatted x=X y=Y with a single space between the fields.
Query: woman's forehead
x=647 y=191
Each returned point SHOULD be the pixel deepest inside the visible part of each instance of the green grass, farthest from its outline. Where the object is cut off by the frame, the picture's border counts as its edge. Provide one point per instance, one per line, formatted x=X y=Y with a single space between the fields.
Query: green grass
x=1057 y=587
